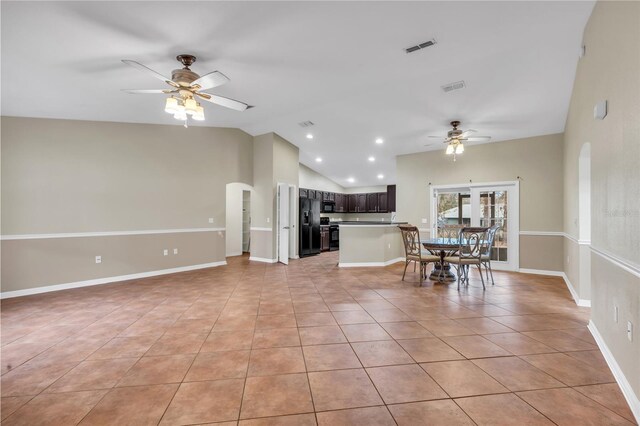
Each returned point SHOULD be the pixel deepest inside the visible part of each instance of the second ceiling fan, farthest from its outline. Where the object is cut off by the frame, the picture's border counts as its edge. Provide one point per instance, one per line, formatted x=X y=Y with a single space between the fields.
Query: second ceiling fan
x=455 y=138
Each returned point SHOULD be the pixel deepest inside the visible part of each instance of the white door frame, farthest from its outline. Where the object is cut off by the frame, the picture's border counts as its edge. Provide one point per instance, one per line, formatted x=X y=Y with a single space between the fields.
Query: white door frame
x=513 y=225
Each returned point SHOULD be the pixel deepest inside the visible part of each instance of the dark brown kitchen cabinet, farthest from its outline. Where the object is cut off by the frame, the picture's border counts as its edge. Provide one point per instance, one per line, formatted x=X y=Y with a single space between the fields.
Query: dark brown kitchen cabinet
x=329 y=196
x=391 y=198
x=352 y=203
x=372 y=202
x=325 y=238
x=382 y=202
x=361 y=206
x=341 y=203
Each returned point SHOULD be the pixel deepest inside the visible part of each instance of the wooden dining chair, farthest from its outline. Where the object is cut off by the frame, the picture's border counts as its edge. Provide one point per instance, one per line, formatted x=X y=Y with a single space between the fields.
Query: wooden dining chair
x=471 y=247
x=413 y=251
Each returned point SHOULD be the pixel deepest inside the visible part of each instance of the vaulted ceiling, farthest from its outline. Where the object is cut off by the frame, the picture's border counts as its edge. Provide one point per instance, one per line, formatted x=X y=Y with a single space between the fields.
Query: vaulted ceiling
x=341 y=65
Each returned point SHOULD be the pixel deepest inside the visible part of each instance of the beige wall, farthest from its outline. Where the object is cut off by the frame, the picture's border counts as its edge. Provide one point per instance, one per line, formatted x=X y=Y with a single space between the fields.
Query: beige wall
x=67 y=176
x=28 y=264
x=609 y=71
x=286 y=169
x=275 y=161
x=538 y=163
x=87 y=176
x=542 y=252
x=311 y=179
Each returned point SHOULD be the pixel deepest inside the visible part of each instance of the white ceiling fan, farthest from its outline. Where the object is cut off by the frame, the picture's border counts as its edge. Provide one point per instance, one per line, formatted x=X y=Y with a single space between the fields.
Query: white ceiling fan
x=455 y=138
x=186 y=88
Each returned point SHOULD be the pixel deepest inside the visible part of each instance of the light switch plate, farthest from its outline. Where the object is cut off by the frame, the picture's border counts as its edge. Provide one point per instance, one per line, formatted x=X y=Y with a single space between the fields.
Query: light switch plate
x=210 y=220
x=98 y=259
x=424 y=220
x=175 y=251
x=630 y=331
x=166 y=252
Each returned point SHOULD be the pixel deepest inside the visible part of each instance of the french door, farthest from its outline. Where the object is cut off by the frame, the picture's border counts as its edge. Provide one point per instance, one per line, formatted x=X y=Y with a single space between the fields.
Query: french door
x=456 y=206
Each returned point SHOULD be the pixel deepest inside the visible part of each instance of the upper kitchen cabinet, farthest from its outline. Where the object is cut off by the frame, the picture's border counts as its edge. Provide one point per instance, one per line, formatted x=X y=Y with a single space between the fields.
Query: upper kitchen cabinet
x=372 y=202
x=361 y=206
x=341 y=203
x=391 y=198
x=352 y=203
x=383 y=202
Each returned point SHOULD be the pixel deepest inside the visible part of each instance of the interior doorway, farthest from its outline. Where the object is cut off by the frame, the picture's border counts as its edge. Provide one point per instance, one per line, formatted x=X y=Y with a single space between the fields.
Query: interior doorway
x=246 y=221
x=238 y=219
x=457 y=206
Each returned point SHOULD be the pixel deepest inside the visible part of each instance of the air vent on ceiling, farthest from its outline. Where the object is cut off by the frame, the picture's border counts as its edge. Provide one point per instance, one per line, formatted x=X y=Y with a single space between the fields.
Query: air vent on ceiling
x=420 y=46
x=453 y=86
x=305 y=124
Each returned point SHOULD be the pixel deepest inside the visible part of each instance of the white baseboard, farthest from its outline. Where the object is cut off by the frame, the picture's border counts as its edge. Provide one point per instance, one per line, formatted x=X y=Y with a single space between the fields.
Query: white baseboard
x=580 y=302
x=541 y=272
x=370 y=264
x=262 y=259
x=235 y=253
x=106 y=280
x=625 y=386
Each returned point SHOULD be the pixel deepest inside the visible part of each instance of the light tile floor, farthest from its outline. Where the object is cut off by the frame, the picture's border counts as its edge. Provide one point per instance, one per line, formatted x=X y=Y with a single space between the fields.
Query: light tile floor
x=257 y=344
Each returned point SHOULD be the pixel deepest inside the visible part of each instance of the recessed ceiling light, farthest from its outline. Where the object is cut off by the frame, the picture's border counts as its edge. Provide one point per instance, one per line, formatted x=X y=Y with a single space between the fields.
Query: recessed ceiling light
x=380 y=176
x=379 y=141
x=351 y=180
x=372 y=159
x=309 y=136
x=318 y=160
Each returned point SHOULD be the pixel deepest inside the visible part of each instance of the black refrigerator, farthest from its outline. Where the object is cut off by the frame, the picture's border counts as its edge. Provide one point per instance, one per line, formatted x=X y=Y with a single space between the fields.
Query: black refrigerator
x=309 y=226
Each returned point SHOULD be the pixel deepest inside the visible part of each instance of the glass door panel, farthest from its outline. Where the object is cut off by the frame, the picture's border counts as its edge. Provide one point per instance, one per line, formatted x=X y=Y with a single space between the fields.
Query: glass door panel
x=453 y=212
x=494 y=211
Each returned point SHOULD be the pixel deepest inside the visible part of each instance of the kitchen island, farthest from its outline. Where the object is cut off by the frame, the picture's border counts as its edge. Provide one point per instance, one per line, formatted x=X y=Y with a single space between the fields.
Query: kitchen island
x=370 y=243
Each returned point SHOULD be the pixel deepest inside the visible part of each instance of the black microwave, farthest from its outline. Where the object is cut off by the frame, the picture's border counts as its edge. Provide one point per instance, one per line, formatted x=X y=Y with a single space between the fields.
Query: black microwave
x=328 y=207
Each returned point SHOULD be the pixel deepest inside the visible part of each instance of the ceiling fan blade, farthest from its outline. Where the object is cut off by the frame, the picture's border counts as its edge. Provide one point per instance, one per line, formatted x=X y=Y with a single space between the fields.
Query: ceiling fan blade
x=436 y=137
x=225 y=102
x=211 y=80
x=148 y=70
x=148 y=91
x=479 y=138
x=467 y=132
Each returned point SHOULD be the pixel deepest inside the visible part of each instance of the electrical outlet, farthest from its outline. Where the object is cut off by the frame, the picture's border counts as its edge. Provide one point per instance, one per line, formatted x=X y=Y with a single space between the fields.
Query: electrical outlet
x=98 y=259
x=210 y=220
x=630 y=331
x=166 y=252
x=615 y=314
x=389 y=245
x=424 y=220
x=175 y=251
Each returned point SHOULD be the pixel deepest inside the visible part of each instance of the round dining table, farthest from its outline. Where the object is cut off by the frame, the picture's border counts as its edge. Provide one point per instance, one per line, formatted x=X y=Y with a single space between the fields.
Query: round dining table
x=442 y=247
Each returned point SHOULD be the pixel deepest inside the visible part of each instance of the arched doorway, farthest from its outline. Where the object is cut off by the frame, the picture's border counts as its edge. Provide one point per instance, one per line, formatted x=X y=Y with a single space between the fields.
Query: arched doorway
x=238 y=218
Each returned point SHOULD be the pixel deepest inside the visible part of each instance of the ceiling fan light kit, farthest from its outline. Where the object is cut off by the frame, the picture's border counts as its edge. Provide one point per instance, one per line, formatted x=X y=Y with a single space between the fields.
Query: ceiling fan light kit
x=186 y=88
x=455 y=138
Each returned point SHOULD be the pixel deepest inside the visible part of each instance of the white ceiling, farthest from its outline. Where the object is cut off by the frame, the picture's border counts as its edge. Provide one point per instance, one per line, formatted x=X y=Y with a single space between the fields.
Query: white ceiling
x=341 y=65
